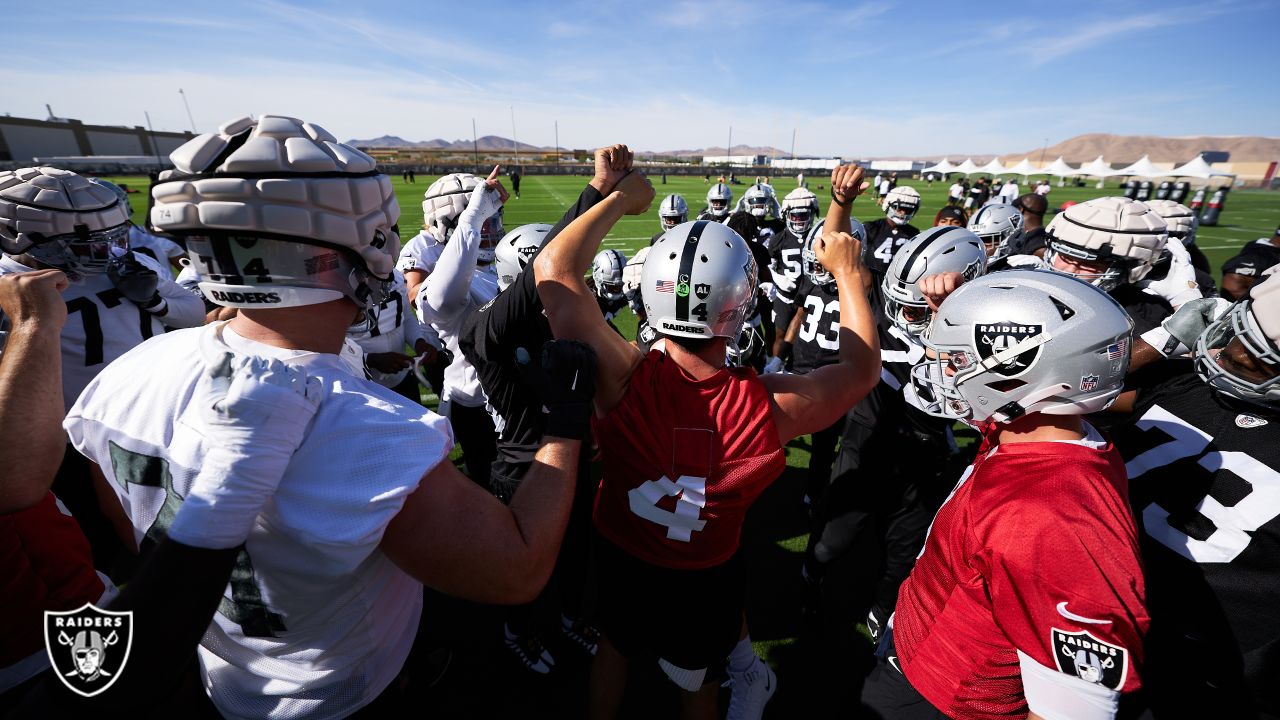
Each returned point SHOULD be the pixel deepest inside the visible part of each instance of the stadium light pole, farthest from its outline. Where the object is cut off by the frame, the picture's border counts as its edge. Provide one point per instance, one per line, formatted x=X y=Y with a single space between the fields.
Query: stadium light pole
x=187 y=105
x=729 y=149
x=514 y=147
x=475 y=145
x=154 y=146
x=793 y=143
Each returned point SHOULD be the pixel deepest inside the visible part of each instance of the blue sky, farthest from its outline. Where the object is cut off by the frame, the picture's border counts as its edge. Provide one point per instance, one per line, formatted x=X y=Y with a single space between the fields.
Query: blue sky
x=859 y=79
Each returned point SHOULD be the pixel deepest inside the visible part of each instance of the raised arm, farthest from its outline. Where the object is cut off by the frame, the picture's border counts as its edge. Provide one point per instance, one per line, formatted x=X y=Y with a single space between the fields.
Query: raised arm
x=846 y=185
x=443 y=294
x=570 y=306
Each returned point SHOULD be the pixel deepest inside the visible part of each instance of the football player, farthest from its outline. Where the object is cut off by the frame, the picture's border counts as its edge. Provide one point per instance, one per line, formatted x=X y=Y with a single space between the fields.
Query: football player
x=163 y=250
x=606 y=284
x=1244 y=269
x=762 y=202
x=391 y=325
x=1202 y=451
x=677 y=425
x=999 y=225
x=251 y=446
x=800 y=210
x=718 y=199
x=672 y=211
x=1028 y=596
x=1182 y=224
x=885 y=235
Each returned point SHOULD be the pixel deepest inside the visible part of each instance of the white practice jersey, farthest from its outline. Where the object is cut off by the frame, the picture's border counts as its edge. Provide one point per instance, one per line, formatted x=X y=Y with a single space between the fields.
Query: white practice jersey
x=101 y=324
x=395 y=325
x=161 y=249
x=316 y=621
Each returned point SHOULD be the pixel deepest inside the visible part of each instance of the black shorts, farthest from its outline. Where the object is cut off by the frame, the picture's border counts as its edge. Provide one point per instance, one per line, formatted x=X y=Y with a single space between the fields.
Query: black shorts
x=888 y=694
x=690 y=618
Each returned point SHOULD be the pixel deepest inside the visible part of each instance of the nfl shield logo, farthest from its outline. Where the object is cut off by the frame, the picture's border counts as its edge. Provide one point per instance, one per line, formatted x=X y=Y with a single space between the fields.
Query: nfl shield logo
x=1088 y=383
x=88 y=647
x=1000 y=337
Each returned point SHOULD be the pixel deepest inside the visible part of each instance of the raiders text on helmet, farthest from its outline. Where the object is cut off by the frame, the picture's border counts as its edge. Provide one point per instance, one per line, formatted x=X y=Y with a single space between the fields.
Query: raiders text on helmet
x=699 y=280
x=516 y=249
x=999 y=225
x=1125 y=234
x=945 y=248
x=61 y=219
x=278 y=208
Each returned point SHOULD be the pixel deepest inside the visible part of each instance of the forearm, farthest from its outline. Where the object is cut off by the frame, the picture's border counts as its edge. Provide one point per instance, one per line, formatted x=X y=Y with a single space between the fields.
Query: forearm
x=1143 y=354
x=445 y=290
x=30 y=415
x=859 y=338
x=183 y=309
x=565 y=259
x=540 y=506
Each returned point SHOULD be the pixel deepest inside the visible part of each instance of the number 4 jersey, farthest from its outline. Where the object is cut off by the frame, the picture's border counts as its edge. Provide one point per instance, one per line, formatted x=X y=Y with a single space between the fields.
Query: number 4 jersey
x=684 y=460
x=316 y=621
x=1204 y=474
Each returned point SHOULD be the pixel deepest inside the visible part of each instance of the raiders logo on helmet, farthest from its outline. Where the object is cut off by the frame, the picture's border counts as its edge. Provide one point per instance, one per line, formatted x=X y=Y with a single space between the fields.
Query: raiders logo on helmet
x=995 y=338
x=1088 y=658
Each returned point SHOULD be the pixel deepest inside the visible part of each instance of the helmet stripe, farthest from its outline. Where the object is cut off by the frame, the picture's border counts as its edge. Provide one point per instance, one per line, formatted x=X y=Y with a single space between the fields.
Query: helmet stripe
x=911 y=261
x=687 y=256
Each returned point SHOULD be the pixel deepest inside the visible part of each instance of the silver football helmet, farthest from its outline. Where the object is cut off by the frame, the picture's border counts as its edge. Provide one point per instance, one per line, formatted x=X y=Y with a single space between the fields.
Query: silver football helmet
x=515 y=249
x=672 y=211
x=1123 y=237
x=718 y=199
x=1180 y=220
x=809 y=257
x=901 y=204
x=1000 y=227
x=799 y=209
x=442 y=205
x=1255 y=323
x=699 y=280
x=1022 y=341
x=606 y=272
x=61 y=219
x=945 y=248
x=760 y=200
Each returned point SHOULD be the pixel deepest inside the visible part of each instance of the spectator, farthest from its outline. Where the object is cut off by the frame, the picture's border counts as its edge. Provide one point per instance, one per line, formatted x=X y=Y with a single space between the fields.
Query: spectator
x=1033 y=207
x=1009 y=192
x=955 y=194
x=515 y=182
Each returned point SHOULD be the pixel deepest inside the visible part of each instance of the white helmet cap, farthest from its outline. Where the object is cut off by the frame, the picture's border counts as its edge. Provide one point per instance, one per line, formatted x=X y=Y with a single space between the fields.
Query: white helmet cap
x=1124 y=233
x=1255 y=322
x=61 y=219
x=699 y=280
x=672 y=211
x=945 y=248
x=1181 y=222
x=1019 y=342
x=800 y=208
x=516 y=248
x=606 y=273
x=443 y=204
x=901 y=204
x=999 y=225
x=718 y=199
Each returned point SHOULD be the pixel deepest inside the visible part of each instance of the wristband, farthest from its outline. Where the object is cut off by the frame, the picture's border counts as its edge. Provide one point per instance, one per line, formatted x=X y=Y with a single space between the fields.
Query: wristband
x=836 y=200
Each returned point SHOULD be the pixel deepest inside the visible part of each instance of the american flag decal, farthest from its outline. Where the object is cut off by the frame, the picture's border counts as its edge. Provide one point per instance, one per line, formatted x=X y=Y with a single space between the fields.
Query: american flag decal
x=1118 y=350
x=666 y=286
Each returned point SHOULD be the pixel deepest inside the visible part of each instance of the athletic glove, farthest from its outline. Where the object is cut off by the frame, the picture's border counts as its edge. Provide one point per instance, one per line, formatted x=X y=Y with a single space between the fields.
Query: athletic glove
x=1178 y=333
x=569 y=385
x=773 y=365
x=1179 y=285
x=255 y=414
x=137 y=283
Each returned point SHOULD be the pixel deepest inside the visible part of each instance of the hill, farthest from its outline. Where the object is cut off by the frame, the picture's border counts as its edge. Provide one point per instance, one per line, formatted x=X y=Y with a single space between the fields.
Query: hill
x=486 y=143
x=1129 y=148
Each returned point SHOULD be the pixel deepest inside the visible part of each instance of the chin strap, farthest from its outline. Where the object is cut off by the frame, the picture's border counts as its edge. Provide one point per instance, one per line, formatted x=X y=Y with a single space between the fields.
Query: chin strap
x=1015 y=410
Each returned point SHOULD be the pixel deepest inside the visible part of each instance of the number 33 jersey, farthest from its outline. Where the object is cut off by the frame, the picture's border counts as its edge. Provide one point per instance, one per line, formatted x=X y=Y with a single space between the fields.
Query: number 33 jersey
x=316 y=620
x=1204 y=474
x=684 y=459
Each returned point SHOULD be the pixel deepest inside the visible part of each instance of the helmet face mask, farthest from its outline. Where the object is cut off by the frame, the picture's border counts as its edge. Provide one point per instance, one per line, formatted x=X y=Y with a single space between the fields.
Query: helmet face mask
x=83 y=253
x=1000 y=227
x=673 y=211
x=901 y=204
x=800 y=208
x=606 y=274
x=1107 y=241
x=945 y=248
x=1105 y=273
x=1235 y=357
x=490 y=235
x=718 y=199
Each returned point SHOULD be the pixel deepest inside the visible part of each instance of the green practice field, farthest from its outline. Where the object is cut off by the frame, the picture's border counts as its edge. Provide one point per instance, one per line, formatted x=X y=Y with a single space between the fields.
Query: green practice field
x=777 y=529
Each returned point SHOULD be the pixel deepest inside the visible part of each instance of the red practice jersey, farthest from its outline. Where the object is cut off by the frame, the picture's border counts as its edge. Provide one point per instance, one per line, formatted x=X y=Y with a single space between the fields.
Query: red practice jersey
x=1036 y=550
x=683 y=461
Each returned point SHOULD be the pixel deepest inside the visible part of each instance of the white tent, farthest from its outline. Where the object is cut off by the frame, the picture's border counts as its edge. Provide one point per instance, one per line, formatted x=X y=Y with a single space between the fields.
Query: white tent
x=967 y=167
x=1024 y=169
x=1059 y=168
x=1197 y=168
x=994 y=167
x=942 y=168
x=1099 y=168
x=1144 y=168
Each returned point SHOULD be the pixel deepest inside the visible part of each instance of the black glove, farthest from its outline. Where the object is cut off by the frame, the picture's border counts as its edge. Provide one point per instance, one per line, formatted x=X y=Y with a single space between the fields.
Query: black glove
x=136 y=282
x=569 y=372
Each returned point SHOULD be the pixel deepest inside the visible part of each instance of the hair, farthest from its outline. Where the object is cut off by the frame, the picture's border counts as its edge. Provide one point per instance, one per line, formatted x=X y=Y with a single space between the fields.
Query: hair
x=953 y=212
x=745 y=224
x=1032 y=203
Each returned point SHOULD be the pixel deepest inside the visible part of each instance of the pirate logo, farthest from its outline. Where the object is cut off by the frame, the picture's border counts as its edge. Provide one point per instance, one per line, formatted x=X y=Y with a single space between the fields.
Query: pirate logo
x=1088 y=658
x=999 y=338
x=88 y=647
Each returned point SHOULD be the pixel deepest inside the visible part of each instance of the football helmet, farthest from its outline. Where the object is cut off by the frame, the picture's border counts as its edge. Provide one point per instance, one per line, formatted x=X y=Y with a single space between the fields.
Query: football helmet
x=1022 y=341
x=606 y=273
x=278 y=213
x=800 y=208
x=442 y=205
x=1255 y=323
x=62 y=220
x=809 y=257
x=901 y=204
x=672 y=211
x=119 y=191
x=760 y=201
x=1181 y=222
x=945 y=248
x=718 y=199
x=515 y=249
x=699 y=280
x=1122 y=237
x=999 y=225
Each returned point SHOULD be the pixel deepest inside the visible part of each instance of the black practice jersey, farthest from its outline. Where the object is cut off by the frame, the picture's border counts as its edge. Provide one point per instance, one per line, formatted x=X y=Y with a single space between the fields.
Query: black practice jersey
x=1146 y=310
x=1204 y=481
x=883 y=240
x=817 y=342
x=784 y=259
x=504 y=340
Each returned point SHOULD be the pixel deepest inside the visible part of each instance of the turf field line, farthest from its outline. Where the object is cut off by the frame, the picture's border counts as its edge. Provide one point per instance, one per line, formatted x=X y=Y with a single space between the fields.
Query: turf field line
x=559 y=198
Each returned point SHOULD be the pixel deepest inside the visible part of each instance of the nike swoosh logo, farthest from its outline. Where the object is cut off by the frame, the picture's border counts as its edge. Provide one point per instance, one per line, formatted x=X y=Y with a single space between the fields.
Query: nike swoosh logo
x=1064 y=612
x=893 y=660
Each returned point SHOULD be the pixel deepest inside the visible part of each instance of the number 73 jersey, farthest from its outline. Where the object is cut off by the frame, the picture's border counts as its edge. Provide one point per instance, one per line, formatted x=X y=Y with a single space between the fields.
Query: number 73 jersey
x=684 y=460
